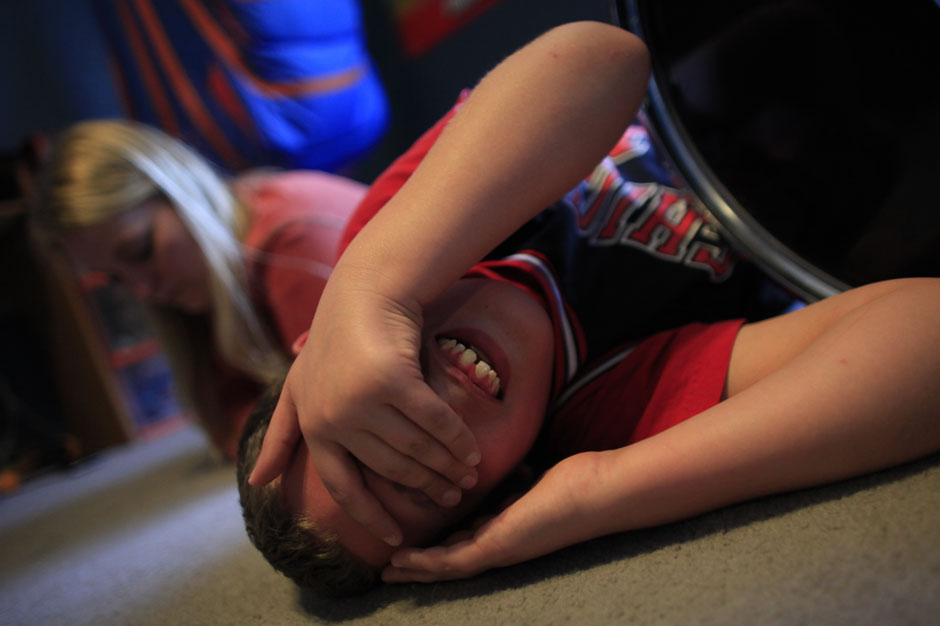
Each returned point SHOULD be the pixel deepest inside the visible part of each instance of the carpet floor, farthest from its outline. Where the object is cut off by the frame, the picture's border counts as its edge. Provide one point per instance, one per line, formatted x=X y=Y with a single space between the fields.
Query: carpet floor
x=151 y=533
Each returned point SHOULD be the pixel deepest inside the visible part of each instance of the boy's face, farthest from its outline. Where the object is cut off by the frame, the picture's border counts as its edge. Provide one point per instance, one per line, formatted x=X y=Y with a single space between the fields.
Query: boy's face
x=513 y=333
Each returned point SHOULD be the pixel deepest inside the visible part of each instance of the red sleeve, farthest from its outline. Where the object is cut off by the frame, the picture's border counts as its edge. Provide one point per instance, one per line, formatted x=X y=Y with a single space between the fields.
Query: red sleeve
x=641 y=391
x=293 y=272
x=391 y=180
x=290 y=272
x=292 y=242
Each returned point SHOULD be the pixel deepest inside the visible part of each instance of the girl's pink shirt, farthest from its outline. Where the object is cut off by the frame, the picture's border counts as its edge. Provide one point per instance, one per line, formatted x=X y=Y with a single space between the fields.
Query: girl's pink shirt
x=291 y=245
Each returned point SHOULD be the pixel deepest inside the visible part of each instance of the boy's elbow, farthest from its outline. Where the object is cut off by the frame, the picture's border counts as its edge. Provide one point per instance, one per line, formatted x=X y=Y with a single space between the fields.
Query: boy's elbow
x=609 y=66
x=608 y=47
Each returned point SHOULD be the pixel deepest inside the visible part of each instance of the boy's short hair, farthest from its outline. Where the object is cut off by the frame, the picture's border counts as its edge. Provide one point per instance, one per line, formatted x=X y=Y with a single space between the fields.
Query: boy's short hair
x=293 y=544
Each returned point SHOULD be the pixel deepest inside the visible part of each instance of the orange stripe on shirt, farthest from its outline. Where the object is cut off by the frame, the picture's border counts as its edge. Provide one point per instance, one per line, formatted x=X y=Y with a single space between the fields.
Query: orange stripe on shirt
x=144 y=63
x=229 y=52
x=187 y=94
x=218 y=84
x=229 y=23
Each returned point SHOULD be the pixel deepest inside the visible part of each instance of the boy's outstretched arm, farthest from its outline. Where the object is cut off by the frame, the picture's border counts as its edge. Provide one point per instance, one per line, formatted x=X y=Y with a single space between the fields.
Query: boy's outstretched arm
x=841 y=388
x=530 y=130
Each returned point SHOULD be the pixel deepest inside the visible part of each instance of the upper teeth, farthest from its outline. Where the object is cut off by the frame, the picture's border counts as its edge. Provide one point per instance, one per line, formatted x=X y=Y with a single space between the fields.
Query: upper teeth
x=470 y=362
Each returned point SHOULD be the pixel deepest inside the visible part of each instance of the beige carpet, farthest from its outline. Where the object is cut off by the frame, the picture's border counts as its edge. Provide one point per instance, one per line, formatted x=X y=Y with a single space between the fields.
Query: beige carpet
x=151 y=534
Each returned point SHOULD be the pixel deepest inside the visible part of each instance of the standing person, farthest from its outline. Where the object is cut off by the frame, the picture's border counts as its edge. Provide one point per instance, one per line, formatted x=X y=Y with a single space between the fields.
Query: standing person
x=231 y=271
x=281 y=82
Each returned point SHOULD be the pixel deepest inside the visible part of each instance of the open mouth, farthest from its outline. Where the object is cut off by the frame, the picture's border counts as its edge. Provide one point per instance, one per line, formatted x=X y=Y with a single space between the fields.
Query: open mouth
x=473 y=361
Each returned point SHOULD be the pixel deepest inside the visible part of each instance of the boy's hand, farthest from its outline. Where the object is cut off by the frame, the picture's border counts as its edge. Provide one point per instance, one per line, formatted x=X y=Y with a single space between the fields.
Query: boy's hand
x=357 y=390
x=545 y=519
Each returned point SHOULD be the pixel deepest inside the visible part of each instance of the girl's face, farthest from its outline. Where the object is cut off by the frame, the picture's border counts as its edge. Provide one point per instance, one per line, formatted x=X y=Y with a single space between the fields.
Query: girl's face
x=150 y=251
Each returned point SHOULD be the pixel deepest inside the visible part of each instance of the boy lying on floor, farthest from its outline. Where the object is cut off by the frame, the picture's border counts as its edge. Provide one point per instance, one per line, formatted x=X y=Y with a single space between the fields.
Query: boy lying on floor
x=646 y=430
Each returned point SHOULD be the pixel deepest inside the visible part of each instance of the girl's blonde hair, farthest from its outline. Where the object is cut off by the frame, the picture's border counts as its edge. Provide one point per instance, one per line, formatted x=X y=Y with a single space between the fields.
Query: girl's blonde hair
x=99 y=168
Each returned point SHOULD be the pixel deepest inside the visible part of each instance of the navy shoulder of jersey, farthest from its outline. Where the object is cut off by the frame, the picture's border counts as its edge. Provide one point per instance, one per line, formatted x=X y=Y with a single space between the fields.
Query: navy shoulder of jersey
x=627 y=254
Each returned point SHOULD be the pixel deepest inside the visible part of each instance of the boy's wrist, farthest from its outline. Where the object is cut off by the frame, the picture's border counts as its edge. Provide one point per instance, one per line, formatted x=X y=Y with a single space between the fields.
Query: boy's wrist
x=603 y=492
x=354 y=279
x=588 y=496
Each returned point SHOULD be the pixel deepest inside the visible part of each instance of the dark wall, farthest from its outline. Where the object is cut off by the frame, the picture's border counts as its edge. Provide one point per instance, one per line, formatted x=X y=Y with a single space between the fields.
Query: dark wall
x=423 y=89
x=53 y=68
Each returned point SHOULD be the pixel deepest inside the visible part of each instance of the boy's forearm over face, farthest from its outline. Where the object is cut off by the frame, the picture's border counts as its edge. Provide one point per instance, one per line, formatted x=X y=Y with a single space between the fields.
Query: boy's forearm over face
x=531 y=129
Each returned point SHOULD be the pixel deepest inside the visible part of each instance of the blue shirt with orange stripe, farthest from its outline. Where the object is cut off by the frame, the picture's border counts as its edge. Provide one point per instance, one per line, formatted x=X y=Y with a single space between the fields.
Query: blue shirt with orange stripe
x=286 y=83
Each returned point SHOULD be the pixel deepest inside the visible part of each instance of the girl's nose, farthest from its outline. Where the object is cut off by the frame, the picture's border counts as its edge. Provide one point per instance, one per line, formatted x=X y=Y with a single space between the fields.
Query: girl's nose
x=140 y=283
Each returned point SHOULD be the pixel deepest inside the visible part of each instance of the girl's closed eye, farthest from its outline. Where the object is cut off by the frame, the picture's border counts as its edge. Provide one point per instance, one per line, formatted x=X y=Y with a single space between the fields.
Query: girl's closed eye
x=143 y=247
x=138 y=248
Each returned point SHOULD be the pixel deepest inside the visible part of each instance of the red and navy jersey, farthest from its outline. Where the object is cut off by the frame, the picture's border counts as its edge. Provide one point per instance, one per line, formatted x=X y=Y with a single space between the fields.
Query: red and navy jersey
x=623 y=256
x=634 y=277
x=645 y=297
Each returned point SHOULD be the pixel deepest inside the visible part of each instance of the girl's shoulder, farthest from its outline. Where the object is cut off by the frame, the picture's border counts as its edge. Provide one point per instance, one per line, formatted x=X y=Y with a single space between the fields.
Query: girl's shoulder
x=277 y=200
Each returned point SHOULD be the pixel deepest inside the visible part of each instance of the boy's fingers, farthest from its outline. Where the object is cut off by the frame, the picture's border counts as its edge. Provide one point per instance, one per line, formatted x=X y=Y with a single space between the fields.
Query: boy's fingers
x=427 y=410
x=376 y=454
x=279 y=442
x=461 y=560
x=431 y=460
x=343 y=481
